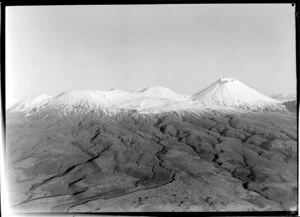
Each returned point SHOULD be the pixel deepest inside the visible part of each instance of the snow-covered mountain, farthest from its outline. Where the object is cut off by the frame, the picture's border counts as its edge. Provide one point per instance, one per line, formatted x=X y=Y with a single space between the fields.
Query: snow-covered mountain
x=223 y=94
x=147 y=100
x=231 y=92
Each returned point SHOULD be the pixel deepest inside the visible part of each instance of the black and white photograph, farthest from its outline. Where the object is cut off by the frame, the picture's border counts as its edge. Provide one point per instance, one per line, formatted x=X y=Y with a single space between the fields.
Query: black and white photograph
x=151 y=108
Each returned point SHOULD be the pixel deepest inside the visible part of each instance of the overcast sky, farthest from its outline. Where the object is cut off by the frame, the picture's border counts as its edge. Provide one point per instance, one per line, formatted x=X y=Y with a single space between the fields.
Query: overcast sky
x=51 y=49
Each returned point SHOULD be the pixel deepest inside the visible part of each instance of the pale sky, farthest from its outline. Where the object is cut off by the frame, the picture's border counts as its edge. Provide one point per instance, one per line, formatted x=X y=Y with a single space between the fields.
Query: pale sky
x=51 y=49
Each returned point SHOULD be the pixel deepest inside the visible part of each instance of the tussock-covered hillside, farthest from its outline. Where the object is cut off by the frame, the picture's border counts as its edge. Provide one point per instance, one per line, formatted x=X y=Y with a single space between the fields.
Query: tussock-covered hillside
x=177 y=161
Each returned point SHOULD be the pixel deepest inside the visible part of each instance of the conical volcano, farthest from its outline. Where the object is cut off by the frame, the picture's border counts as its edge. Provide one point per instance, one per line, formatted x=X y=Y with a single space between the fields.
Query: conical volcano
x=233 y=93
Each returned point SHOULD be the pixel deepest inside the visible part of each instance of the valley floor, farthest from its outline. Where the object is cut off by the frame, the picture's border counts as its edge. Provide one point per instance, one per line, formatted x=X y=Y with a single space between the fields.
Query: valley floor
x=208 y=161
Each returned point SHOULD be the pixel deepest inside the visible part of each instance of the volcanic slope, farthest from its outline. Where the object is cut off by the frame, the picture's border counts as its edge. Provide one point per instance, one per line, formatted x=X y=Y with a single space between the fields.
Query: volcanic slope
x=233 y=93
x=206 y=160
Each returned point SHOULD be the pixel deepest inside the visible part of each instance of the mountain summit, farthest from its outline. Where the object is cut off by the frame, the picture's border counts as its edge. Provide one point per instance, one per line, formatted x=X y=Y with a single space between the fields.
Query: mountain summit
x=161 y=92
x=233 y=93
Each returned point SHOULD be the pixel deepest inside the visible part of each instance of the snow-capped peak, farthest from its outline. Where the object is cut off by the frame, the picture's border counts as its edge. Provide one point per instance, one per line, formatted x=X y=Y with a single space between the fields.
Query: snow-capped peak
x=161 y=92
x=233 y=93
x=223 y=80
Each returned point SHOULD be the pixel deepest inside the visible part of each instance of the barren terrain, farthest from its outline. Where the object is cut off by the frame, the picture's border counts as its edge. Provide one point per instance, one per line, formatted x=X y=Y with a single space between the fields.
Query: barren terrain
x=188 y=161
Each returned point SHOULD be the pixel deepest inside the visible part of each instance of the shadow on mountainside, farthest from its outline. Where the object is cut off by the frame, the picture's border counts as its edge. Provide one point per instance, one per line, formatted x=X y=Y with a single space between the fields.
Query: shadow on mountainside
x=291 y=106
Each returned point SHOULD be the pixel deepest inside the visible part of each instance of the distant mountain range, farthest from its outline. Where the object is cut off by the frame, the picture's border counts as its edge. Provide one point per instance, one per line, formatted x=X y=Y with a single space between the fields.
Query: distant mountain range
x=225 y=93
x=284 y=97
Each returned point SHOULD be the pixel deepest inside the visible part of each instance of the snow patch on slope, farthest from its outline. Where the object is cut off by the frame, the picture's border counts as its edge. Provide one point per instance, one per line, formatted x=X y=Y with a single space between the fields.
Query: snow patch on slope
x=89 y=100
x=30 y=103
x=10 y=101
